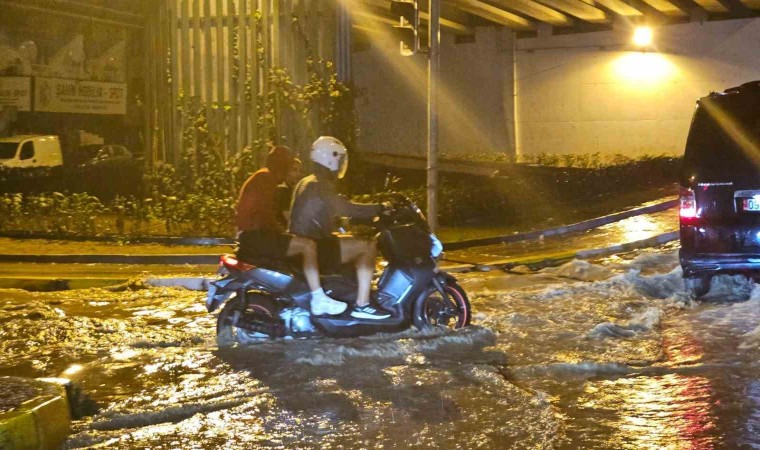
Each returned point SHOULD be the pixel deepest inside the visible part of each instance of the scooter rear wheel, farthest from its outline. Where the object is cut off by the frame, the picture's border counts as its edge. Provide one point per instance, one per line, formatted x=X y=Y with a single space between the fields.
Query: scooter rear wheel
x=435 y=311
x=229 y=334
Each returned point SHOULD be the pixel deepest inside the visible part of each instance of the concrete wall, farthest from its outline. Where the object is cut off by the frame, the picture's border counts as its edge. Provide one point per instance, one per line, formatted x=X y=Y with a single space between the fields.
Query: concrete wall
x=475 y=95
x=587 y=93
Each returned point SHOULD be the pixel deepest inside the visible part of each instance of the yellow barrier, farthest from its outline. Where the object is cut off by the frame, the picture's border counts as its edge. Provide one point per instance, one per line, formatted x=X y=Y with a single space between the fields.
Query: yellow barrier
x=42 y=422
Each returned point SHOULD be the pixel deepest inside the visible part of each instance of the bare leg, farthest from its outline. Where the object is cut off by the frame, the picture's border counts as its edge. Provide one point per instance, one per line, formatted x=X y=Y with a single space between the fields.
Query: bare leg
x=321 y=303
x=362 y=253
x=307 y=248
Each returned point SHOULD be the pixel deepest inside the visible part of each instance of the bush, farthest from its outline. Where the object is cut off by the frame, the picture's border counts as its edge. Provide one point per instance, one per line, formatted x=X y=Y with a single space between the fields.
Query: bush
x=199 y=201
x=525 y=194
x=54 y=213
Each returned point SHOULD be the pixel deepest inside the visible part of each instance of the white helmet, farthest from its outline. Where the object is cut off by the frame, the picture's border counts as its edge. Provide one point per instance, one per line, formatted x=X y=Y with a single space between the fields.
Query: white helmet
x=329 y=152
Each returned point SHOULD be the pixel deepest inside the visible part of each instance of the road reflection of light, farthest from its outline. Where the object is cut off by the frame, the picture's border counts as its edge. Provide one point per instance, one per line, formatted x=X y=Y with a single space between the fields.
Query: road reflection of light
x=73 y=369
x=669 y=411
x=638 y=228
x=123 y=354
x=153 y=368
x=682 y=348
x=752 y=428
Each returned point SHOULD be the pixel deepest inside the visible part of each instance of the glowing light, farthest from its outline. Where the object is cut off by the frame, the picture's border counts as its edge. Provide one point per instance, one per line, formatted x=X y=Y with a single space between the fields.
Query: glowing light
x=638 y=228
x=153 y=368
x=688 y=205
x=642 y=36
x=74 y=368
x=123 y=355
x=639 y=67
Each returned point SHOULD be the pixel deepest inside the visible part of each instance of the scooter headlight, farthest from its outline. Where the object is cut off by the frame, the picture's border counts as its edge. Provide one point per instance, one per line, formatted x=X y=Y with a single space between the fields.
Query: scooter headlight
x=437 y=247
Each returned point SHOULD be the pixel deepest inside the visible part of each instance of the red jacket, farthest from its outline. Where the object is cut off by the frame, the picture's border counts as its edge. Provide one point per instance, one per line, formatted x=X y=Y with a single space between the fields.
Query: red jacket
x=256 y=206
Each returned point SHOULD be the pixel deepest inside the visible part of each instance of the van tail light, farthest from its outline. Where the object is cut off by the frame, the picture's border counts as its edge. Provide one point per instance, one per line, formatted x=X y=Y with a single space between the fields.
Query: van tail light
x=688 y=209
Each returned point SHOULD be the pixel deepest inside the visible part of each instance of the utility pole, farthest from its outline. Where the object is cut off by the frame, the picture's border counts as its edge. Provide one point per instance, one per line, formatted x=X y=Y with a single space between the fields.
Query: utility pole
x=434 y=66
x=409 y=22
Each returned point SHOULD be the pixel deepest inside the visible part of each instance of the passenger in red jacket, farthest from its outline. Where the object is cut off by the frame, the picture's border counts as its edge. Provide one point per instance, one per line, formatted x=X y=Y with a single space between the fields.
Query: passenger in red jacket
x=261 y=231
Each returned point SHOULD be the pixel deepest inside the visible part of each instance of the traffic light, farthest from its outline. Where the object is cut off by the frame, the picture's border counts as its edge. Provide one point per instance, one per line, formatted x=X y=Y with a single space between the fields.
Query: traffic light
x=409 y=23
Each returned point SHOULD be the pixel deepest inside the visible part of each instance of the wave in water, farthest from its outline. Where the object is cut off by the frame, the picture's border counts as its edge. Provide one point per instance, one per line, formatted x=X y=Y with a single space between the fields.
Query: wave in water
x=335 y=354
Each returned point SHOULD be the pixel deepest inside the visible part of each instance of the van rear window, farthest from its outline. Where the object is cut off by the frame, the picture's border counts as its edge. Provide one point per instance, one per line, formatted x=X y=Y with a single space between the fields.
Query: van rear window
x=724 y=140
x=8 y=150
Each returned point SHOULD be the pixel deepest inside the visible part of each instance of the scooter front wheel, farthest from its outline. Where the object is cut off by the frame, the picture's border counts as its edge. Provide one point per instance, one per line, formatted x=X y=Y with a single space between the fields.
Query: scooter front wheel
x=433 y=310
x=231 y=326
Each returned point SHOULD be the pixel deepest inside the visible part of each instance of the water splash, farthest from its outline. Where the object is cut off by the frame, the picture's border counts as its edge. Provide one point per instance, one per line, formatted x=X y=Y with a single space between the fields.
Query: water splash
x=641 y=323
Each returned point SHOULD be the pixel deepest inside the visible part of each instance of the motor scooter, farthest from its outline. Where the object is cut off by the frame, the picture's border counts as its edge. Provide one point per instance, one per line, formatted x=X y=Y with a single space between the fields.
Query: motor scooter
x=264 y=301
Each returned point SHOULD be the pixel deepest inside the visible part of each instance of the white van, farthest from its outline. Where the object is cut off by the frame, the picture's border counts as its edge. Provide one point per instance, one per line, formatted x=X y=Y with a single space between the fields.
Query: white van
x=30 y=151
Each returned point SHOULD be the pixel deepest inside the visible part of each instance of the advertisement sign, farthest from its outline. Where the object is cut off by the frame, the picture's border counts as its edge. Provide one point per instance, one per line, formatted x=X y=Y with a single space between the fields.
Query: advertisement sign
x=85 y=97
x=16 y=91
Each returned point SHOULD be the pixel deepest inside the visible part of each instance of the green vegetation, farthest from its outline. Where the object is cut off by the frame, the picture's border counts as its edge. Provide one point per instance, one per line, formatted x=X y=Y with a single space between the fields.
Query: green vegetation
x=197 y=199
x=527 y=197
x=568 y=160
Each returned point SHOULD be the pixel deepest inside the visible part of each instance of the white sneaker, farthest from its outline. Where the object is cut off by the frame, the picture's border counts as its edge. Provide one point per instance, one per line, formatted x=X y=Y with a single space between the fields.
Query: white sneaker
x=322 y=304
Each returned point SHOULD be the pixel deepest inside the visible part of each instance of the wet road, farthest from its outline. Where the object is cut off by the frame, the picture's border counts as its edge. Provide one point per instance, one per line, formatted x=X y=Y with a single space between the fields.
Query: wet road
x=628 y=230
x=609 y=354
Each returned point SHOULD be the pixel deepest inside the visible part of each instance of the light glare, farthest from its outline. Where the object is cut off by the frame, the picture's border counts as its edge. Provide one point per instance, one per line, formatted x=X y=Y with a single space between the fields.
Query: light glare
x=648 y=68
x=642 y=36
x=74 y=368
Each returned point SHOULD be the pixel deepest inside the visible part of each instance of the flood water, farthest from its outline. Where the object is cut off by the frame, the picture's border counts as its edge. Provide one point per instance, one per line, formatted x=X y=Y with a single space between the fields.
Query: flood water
x=609 y=354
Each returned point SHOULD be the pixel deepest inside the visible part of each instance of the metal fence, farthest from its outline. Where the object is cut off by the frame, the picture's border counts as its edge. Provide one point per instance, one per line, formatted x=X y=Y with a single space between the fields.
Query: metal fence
x=217 y=54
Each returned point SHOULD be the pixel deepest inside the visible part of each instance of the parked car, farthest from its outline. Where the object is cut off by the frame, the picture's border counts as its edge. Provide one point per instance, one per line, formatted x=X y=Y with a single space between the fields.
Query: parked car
x=720 y=181
x=107 y=155
x=30 y=151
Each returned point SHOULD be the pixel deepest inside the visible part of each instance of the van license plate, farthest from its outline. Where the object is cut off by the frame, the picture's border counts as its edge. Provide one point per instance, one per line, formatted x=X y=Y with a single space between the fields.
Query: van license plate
x=751 y=204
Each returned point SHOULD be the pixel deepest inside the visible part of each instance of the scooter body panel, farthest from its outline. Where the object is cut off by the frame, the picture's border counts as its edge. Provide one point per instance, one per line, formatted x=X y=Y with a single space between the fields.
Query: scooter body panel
x=398 y=289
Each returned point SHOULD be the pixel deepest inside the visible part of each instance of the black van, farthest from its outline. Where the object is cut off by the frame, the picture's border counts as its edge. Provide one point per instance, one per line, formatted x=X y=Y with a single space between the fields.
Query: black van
x=720 y=188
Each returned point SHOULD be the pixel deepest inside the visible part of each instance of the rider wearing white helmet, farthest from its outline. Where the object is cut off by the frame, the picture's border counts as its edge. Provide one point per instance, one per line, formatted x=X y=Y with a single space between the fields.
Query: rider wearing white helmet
x=314 y=213
x=330 y=152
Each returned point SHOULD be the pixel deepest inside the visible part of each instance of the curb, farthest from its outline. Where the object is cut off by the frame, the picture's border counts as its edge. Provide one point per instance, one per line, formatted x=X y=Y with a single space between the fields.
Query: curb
x=165 y=240
x=41 y=284
x=213 y=259
x=47 y=284
x=42 y=422
x=572 y=228
x=207 y=241
x=555 y=259
x=114 y=259
x=201 y=283
x=479 y=168
x=189 y=283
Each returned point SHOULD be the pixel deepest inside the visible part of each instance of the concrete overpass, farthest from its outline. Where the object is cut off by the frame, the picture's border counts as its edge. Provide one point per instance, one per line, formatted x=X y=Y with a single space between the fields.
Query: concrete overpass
x=571 y=16
x=526 y=77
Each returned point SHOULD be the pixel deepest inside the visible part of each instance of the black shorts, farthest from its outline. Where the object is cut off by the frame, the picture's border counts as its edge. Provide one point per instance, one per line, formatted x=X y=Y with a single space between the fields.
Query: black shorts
x=328 y=255
x=257 y=245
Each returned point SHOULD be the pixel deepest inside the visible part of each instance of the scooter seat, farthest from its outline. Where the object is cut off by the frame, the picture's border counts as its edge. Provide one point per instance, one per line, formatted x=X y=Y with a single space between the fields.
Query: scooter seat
x=279 y=265
x=294 y=265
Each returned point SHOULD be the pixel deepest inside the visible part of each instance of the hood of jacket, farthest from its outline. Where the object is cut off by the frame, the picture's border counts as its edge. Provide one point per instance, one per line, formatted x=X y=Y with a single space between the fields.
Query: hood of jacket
x=278 y=162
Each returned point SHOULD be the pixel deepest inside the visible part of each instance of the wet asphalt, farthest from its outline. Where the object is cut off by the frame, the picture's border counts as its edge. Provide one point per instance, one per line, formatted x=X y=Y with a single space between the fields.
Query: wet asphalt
x=609 y=353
